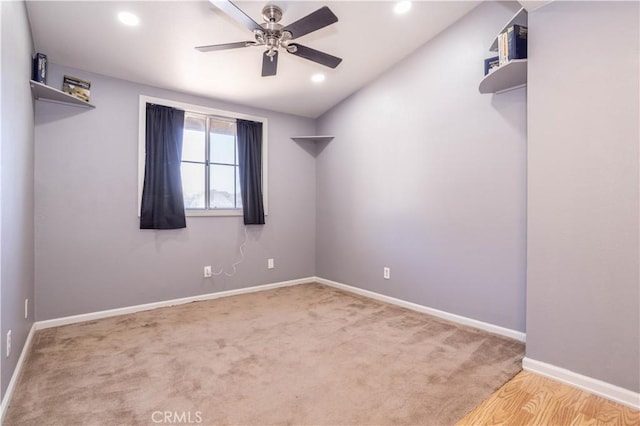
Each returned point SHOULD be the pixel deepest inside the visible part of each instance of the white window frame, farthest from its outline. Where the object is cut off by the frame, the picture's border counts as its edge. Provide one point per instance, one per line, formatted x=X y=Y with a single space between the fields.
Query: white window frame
x=200 y=109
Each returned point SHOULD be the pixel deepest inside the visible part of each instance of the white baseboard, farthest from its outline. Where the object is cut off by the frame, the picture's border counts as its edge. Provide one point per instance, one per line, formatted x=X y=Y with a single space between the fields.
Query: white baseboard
x=57 y=322
x=585 y=383
x=491 y=328
x=16 y=374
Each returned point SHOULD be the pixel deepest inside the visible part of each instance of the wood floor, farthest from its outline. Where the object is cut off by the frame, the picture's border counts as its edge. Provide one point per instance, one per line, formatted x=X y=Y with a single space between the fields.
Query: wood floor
x=530 y=399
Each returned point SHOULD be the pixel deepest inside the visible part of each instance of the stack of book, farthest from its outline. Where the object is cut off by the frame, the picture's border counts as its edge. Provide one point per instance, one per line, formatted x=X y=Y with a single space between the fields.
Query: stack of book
x=512 y=44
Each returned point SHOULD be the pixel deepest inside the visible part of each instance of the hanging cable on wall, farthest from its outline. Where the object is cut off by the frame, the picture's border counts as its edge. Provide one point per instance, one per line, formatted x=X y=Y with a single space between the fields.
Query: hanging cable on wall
x=234 y=265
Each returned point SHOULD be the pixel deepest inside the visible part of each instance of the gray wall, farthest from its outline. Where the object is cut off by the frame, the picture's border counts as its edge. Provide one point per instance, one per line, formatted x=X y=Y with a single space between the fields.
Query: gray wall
x=583 y=301
x=17 y=229
x=90 y=254
x=428 y=177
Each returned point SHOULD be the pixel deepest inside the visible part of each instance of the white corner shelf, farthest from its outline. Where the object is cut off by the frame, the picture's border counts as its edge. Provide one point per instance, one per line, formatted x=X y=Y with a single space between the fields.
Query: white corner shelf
x=324 y=138
x=49 y=94
x=511 y=75
x=520 y=18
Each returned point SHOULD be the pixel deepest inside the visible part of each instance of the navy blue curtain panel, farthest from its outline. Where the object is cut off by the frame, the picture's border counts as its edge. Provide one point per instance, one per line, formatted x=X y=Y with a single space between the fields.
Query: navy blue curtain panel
x=162 y=202
x=250 y=162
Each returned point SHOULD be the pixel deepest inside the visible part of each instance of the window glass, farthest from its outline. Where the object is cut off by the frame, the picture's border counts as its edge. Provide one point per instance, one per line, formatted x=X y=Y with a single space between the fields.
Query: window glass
x=238 y=190
x=223 y=148
x=193 y=185
x=193 y=141
x=222 y=186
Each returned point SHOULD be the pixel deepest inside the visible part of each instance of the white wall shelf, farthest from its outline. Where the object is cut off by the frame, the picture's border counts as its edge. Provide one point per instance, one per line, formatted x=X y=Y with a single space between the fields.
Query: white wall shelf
x=520 y=18
x=49 y=94
x=511 y=75
x=324 y=138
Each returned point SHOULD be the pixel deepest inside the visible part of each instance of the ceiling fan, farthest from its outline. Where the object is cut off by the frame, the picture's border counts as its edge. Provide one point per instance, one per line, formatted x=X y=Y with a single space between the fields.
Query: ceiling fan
x=273 y=35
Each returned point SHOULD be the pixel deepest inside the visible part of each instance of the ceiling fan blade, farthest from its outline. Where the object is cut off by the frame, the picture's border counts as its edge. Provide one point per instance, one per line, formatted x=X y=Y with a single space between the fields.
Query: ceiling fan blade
x=312 y=22
x=316 y=55
x=236 y=13
x=269 y=64
x=214 y=47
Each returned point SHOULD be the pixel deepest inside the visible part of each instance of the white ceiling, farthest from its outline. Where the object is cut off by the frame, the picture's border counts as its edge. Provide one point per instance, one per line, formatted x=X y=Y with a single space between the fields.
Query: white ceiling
x=160 y=51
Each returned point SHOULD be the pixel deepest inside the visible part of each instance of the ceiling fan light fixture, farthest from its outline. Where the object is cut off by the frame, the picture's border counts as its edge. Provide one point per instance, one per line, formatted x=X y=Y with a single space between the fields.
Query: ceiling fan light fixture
x=128 y=18
x=318 y=78
x=402 y=7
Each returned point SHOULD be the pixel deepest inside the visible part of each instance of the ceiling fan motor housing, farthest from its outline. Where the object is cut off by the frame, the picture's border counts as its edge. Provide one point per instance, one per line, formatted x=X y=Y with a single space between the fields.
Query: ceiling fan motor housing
x=272 y=13
x=273 y=37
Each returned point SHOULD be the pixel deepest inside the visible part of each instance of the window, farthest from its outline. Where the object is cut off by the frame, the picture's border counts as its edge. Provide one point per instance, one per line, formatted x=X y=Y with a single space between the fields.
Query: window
x=209 y=168
x=210 y=171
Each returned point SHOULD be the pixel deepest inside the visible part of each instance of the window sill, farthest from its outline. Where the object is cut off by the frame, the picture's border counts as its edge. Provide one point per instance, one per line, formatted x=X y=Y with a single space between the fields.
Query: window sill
x=217 y=212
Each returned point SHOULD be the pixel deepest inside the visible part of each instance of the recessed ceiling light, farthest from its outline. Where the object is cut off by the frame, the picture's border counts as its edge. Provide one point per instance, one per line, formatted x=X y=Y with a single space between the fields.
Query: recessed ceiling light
x=318 y=78
x=128 y=18
x=402 y=7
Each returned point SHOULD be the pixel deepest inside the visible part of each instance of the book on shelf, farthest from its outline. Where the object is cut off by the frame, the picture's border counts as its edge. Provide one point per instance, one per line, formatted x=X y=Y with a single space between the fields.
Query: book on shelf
x=39 y=71
x=490 y=64
x=76 y=87
x=517 y=42
x=512 y=44
x=503 y=48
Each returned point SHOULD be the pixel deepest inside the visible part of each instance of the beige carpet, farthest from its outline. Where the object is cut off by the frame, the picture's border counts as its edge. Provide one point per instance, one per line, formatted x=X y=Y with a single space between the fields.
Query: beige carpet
x=307 y=355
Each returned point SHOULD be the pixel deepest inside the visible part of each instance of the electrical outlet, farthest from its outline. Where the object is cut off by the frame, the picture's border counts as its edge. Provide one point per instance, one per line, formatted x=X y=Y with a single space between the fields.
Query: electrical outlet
x=386 y=273
x=8 y=343
x=207 y=271
x=270 y=264
x=26 y=308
